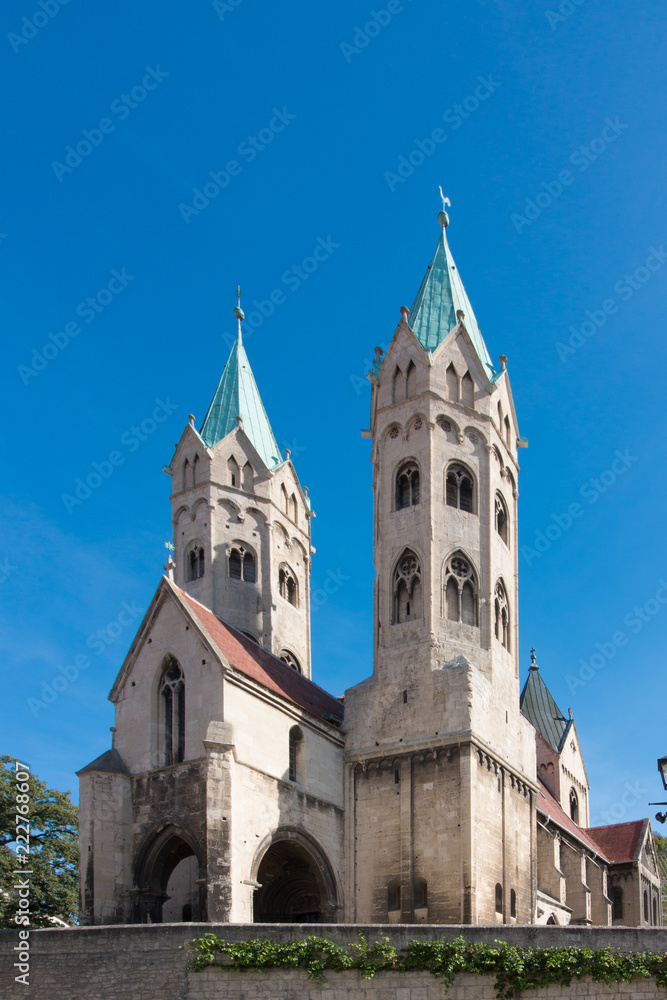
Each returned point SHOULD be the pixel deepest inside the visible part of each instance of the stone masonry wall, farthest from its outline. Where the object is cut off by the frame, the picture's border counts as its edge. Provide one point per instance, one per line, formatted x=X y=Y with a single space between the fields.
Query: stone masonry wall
x=144 y=963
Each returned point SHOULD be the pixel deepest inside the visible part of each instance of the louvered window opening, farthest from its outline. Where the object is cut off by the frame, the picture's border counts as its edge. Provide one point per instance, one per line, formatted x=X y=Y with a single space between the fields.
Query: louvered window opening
x=172 y=693
x=407 y=487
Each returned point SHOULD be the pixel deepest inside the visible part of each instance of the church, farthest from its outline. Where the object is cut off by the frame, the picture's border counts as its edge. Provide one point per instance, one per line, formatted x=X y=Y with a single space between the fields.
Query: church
x=436 y=791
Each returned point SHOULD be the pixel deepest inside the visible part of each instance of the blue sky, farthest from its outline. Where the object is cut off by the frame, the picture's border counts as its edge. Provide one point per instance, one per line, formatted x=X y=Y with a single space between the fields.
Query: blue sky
x=318 y=127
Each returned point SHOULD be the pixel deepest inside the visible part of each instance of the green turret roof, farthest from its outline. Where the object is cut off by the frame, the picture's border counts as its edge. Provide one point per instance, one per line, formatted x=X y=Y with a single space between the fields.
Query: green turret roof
x=237 y=395
x=441 y=296
x=539 y=707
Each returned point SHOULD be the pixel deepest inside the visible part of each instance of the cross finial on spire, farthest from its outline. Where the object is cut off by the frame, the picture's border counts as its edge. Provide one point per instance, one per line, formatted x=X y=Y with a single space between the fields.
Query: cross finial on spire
x=533 y=659
x=443 y=218
x=170 y=565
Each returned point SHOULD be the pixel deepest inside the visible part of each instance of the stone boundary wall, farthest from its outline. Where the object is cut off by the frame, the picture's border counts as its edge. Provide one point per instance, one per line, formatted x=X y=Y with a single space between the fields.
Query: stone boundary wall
x=143 y=962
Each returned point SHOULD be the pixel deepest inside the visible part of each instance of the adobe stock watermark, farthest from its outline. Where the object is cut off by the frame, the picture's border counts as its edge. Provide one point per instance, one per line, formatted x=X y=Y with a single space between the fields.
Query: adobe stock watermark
x=98 y=641
x=249 y=149
x=454 y=118
x=565 y=9
x=131 y=440
x=625 y=288
x=291 y=279
x=332 y=584
x=88 y=310
x=121 y=107
x=616 y=812
x=360 y=383
x=591 y=491
x=377 y=21
x=6 y=570
x=635 y=621
x=581 y=158
x=224 y=7
x=31 y=26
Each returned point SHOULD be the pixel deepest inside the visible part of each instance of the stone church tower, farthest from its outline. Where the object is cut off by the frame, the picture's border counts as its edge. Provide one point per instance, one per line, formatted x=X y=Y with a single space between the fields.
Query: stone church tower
x=238 y=508
x=440 y=763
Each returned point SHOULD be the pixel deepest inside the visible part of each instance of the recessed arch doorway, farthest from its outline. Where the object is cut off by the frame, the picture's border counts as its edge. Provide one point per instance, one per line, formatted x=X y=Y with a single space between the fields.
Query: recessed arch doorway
x=296 y=881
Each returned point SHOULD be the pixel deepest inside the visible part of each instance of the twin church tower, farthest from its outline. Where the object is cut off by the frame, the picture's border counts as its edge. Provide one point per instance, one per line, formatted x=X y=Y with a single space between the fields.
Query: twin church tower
x=236 y=788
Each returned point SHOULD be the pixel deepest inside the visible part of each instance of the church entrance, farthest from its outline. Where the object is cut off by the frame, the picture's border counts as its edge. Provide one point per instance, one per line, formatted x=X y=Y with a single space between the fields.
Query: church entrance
x=168 y=880
x=297 y=885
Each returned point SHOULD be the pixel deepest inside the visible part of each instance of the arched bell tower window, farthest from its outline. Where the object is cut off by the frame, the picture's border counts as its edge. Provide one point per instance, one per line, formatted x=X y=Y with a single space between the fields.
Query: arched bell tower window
x=242 y=565
x=452 y=384
x=194 y=563
x=284 y=499
x=233 y=473
x=502 y=615
x=468 y=391
x=248 y=477
x=294 y=508
x=502 y=519
x=461 y=590
x=410 y=379
x=172 y=712
x=295 y=753
x=195 y=469
x=407 y=486
x=407 y=588
x=186 y=470
x=287 y=585
x=398 y=386
x=459 y=489
x=574 y=806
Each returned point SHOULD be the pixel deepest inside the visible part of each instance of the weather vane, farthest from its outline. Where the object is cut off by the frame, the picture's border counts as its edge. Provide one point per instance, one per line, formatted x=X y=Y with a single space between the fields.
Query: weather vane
x=238 y=312
x=443 y=218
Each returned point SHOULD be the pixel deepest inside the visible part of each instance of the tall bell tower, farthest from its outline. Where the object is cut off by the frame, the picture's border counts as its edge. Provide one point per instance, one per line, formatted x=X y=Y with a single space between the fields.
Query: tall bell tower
x=440 y=762
x=241 y=519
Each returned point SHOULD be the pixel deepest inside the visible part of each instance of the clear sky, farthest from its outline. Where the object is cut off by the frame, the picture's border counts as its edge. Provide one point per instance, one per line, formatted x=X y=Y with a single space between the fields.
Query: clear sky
x=331 y=124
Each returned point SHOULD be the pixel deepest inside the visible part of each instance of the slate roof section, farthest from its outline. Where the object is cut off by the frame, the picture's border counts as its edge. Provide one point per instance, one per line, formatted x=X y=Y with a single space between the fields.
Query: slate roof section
x=550 y=806
x=620 y=841
x=237 y=395
x=110 y=761
x=441 y=295
x=538 y=706
x=261 y=666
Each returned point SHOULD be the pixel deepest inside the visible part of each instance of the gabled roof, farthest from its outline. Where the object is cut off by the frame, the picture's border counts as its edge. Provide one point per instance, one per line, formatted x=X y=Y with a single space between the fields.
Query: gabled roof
x=542 y=712
x=620 y=841
x=549 y=805
x=261 y=666
x=237 y=395
x=440 y=297
x=110 y=761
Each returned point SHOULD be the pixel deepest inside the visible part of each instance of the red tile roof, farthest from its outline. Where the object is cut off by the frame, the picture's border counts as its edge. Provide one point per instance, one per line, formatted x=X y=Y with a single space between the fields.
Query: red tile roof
x=547 y=803
x=250 y=659
x=618 y=841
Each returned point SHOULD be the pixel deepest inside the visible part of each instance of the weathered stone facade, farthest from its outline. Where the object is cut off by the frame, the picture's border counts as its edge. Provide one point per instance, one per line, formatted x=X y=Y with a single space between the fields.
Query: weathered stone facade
x=236 y=791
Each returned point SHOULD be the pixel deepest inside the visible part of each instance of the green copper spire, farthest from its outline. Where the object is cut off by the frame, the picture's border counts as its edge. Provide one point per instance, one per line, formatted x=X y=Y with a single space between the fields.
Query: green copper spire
x=237 y=395
x=441 y=297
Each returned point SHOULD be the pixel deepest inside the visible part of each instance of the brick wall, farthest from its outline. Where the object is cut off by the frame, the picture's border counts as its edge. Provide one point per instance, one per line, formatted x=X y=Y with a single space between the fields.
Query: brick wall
x=143 y=962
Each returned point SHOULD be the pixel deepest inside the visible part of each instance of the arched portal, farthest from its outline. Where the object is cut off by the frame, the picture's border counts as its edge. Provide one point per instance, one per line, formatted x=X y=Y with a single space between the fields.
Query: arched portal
x=297 y=884
x=169 y=883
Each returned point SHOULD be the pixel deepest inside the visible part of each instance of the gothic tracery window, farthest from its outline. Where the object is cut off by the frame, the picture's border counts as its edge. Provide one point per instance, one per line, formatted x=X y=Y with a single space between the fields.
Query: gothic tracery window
x=287 y=585
x=501 y=615
x=407 y=486
x=172 y=706
x=502 y=519
x=407 y=588
x=460 y=598
x=291 y=660
x=459 y=490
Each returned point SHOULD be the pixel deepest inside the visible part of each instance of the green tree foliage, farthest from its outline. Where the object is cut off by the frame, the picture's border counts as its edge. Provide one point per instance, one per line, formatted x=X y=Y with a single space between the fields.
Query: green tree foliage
x=54 y=851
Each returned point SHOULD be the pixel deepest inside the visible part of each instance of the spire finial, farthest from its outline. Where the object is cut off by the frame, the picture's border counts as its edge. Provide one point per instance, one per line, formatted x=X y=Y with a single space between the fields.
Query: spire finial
x=170 y=565
x=238 y=312
x=443 y=218
x=533 y=659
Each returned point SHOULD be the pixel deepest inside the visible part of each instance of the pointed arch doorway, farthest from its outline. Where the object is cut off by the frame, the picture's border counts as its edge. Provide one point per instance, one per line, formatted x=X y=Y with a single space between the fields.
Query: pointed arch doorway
x=296 y=881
